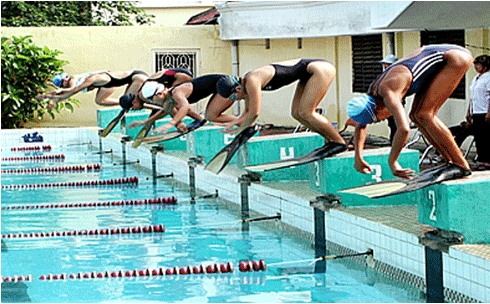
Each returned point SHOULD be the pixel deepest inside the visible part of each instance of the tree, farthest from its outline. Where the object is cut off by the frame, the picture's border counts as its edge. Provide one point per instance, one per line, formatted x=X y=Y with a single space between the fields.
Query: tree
x=26 y=70
x=72 y=13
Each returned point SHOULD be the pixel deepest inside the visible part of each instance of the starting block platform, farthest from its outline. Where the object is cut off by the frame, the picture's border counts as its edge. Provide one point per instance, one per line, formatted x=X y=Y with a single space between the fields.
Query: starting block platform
x=332 y=174
x=271 y=148
x=461 y=205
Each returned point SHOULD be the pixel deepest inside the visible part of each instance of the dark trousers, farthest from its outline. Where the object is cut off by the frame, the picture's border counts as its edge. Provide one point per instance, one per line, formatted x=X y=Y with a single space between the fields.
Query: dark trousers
x=481 y=131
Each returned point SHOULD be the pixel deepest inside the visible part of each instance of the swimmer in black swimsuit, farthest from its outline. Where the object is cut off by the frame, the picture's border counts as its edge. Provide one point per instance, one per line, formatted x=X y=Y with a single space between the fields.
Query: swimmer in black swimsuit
x=315 y=77
x=106 y=83
x=181 y=97
x=432 y=73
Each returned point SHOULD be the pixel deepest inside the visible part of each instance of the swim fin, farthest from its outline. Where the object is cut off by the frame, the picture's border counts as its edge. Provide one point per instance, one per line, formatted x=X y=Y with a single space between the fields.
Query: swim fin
x=327 y=150
x=220 y=160
x=108 y=129
x=425 y=178
x=142 y=134
x=194 y=125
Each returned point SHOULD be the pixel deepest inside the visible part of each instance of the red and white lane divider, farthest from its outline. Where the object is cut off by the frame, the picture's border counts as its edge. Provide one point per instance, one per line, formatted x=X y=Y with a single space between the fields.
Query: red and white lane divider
x=17 y=278
x=94 y=183
x=76 y=168
x=57 y=157
x=32 y=148
x=172 y=200
x=159 y=228
x=246 y=266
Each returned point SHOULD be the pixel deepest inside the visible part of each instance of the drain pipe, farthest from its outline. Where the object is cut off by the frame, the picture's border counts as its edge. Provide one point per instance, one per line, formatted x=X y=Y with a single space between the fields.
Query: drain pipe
x=390 y=43
x=235 y=70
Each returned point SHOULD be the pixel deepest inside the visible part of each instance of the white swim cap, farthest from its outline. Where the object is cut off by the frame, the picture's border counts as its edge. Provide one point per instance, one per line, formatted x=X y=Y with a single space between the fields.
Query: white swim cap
x=151 y=88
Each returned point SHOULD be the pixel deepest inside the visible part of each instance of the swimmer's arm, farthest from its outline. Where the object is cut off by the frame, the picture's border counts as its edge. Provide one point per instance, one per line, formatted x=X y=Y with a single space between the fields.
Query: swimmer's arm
x=360 y=135
x=392 y=101
x=252 y=105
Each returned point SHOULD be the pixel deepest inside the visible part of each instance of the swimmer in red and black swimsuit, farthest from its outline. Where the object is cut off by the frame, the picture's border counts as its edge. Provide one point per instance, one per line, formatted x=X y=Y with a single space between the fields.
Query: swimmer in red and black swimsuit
x=314 y=76
x=106 y=83
x=181 y=97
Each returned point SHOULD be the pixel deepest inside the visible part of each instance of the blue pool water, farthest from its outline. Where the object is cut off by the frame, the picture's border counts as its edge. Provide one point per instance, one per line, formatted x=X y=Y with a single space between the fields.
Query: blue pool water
x=203 y=233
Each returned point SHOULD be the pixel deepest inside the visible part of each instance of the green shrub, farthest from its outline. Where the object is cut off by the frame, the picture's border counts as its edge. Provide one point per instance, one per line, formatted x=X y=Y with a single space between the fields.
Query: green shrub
x=27 y=71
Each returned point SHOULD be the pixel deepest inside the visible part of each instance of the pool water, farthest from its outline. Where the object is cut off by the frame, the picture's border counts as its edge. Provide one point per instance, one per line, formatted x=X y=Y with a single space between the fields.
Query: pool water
x=200 y=233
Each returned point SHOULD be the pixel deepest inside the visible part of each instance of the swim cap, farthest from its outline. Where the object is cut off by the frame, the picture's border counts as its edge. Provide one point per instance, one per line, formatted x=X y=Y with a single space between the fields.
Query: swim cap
x=362 y=109
x=389 y=59
x=227 y=85
x=58 y=79
x=150 y=88
x=126 y=101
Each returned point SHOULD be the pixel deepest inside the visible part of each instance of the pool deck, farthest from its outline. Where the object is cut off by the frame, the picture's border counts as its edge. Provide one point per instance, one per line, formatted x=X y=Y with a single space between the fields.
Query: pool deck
x=393 y=232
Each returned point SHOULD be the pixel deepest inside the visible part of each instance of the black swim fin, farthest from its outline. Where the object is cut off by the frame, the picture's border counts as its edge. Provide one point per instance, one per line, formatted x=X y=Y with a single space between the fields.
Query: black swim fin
x=442 y=173
x=327 y=150
x=220 y=160
x=112 y=124
x=399 y=185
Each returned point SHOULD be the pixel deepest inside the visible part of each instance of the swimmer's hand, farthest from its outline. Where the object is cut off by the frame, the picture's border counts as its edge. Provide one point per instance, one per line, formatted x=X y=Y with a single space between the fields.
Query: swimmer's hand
x=362 y=166
x=136 y=124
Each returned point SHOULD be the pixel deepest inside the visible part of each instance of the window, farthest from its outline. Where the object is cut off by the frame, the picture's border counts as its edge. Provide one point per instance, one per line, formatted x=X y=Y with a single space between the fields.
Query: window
x=451 y=37
x=367 y=51
x=175 y=59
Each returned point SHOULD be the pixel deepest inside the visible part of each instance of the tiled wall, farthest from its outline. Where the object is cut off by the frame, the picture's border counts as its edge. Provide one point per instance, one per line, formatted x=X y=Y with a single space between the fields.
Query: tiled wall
x=466 y=276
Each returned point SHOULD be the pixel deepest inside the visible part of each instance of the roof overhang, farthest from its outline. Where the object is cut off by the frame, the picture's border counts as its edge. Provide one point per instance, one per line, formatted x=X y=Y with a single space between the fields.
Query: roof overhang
x=306 y=19
x=433 y=15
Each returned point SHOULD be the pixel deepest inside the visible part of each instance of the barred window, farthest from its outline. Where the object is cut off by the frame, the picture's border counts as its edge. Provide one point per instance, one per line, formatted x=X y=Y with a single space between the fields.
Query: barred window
x=176 y=59
x=447 y=37
x=367 y=51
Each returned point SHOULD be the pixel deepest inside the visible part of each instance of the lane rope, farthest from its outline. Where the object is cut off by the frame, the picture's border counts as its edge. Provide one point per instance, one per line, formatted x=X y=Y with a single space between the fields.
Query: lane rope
x=94 y=183
x=57 y=157
x=32 y=148
x=172 y=200
x=158 y=228
x=75 y=168
x=245 y=266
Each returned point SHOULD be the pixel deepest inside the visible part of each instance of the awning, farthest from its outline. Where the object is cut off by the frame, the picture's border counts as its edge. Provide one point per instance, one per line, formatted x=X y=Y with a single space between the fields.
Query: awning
x=209 y=16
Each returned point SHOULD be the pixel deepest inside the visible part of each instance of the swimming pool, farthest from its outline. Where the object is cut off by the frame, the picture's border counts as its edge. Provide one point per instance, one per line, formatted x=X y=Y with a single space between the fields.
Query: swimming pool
x=206 y=232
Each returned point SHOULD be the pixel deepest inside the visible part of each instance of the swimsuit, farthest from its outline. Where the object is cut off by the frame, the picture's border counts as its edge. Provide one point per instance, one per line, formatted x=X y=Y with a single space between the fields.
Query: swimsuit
x=117 y=82
x=424 y=67
x=168 y=77
x=202 y=87
x=288 y=74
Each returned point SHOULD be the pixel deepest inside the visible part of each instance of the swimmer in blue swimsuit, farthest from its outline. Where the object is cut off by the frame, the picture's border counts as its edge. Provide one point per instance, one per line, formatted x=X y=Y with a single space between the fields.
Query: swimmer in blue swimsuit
x=314 y=77
x=181 y=96
x=106 y=82
x=432 y=73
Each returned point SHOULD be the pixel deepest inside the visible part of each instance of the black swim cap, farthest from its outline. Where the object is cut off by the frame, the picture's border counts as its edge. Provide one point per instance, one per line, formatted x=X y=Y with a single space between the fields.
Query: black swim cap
x=227 y=85
x=126 y=101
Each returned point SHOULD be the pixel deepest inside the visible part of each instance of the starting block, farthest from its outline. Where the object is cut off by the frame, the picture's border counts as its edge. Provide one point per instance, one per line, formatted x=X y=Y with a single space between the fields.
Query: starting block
x=336 y=173
x=105 y=116
x=461 y=205
x=271 y=148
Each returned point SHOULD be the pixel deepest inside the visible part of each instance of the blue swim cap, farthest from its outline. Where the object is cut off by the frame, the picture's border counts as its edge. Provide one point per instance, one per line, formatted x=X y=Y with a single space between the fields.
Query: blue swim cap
x=362 y=109
x=58 y=79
